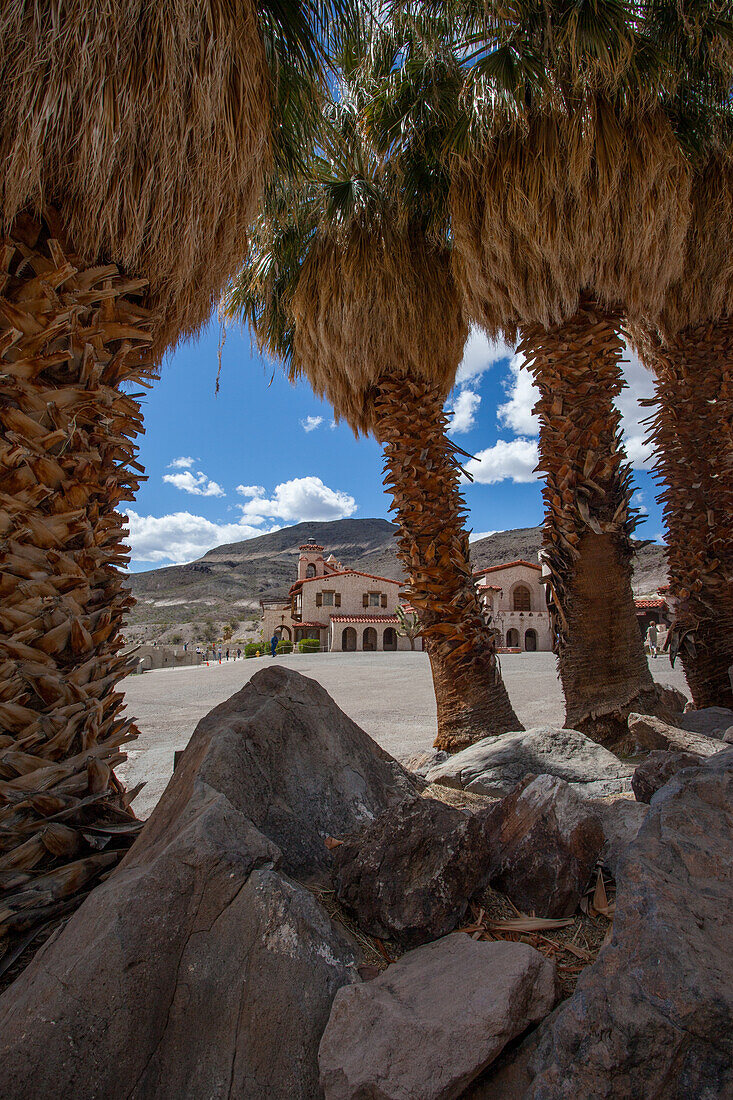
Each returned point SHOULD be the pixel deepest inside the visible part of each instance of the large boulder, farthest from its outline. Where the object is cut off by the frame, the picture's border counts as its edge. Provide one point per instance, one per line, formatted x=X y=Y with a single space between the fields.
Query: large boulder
x=621 y=819
x=495 y=765
x=710 y=721
x=544 y=841
x=653 y=1016
x=409 y=875
x=648 y=732
x=200 y=967
x=428 y=1025
x=657 y=770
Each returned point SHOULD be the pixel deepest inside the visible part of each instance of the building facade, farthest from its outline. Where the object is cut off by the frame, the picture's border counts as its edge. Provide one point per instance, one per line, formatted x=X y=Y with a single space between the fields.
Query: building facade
x=346 y=610
x=513 y=596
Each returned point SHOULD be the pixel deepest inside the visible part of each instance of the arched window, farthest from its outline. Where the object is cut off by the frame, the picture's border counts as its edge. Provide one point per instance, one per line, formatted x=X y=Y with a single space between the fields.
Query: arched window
x=348 y=639
x=512 y=638
x=389 y=640
x=310 y=570
x=530 y=641
x=522 y=601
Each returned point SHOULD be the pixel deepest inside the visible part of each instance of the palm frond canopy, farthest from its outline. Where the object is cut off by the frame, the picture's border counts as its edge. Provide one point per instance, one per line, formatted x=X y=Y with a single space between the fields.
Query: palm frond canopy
x=567 y=177
x=348 y=277
x=146 y=129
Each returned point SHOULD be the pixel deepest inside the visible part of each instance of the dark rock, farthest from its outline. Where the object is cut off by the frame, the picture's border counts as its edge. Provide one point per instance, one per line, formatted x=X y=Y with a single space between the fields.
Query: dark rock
x=710 y=721
x=410 y=874
x=496 y=764
x=420 y=763
x=653 y=1016
x=621 y=821
x=544 y=839
x=658 y=769
x=428 y=1025
x=649 y=732
x=199 y=968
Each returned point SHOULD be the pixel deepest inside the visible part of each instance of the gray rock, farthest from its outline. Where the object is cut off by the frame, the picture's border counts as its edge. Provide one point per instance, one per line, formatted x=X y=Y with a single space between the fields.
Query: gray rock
x=420 y=763
x=711 y=721
x=496 y=764
x=658 y=768
x=410 y=874
x=728 y=736
x=200 y=968
x=621 y=821
x=653 y=1017
x=649 y=732
x=544 y=840
x=428 y=1025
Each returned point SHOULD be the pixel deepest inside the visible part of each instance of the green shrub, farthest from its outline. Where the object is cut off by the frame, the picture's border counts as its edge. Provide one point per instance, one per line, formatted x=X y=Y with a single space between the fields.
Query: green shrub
x=253 y=648
x=309 y=645
x=284 y=647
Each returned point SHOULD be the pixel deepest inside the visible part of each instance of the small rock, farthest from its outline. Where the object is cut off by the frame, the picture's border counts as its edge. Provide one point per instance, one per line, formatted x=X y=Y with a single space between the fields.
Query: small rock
x=409 y=875
x=420 y=763
x=427 y=1026
x=728 y=736
x=658 y=768
x=649 y=732
x=496 y=764
x=711 y=721
x=545 y=840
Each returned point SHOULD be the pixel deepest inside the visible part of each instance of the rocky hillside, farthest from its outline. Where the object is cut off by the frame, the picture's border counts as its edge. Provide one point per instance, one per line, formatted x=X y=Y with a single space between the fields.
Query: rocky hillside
x=229 y=580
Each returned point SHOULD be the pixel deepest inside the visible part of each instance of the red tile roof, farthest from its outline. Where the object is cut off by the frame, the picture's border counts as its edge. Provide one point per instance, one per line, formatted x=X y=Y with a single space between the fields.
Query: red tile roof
x=321 y=626
x=310 y=546
x=488 y=588
x=651 y=601
x=663 y=588
x=387 y=620
x=351 y=573
x=506 y=565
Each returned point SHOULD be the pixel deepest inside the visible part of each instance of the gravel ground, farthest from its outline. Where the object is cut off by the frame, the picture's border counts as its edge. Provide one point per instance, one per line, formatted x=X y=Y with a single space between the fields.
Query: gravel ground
x=390 y=695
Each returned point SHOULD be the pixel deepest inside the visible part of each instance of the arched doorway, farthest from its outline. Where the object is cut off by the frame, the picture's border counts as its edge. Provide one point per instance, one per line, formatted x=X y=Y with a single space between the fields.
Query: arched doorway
x=522 y=598
x=512 y=638
x=348 y=639
x=389 y=641
x=530 y=640
x=283 y=632
x=369 y=641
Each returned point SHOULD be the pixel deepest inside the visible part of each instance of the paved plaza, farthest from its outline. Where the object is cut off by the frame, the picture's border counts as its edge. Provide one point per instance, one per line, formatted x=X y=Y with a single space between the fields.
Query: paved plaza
x=390 y=695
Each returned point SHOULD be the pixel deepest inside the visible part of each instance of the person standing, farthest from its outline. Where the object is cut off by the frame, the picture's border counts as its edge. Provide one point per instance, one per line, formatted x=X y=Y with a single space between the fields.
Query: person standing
x=273 y=643
x=652 y=638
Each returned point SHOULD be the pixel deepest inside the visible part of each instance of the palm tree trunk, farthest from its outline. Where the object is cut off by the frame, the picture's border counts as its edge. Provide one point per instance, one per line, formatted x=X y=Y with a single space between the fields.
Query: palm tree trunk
x=587 y=546
x=693 y=435
x=423 y=478
x=70 y=337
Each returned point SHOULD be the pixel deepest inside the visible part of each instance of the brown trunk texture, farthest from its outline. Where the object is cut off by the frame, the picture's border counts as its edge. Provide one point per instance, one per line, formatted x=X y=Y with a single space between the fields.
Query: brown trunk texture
x=587 y=547
x=70 y=337
x=422 y=474
x=692 y=431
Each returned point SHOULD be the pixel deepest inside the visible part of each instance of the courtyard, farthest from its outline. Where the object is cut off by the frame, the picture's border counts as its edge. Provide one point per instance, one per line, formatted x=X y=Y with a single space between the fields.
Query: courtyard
x=390 y=695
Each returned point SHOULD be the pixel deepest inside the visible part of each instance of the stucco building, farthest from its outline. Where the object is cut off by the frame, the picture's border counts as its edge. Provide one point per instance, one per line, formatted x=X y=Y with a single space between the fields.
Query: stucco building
x=514 y=596
x=344 y=608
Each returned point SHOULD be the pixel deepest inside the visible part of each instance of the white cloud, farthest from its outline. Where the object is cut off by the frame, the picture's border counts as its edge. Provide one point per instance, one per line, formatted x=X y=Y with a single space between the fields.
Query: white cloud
x=198 y=485
x=464 y=408
x=516 y=414
x=181 y=463
x=640 y=384
x=181 y=536
x=637 y=501
x=333 y=425
x=300 y=499
x=479 y=355
x=251 y=490
x=514 y=460
x=476 y=535
x=311 y=423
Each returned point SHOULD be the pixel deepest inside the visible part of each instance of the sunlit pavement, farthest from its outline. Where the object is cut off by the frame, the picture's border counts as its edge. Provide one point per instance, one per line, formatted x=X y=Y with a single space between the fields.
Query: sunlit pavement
x=390 y=695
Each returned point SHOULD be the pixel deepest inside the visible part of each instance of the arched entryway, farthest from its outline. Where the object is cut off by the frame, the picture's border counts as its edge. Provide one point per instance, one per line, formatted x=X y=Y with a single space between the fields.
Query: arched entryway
x=512 y=638
x=530 y=640
x=283 y=632
x=348 y=639
x=369 y=641
x=390 y=639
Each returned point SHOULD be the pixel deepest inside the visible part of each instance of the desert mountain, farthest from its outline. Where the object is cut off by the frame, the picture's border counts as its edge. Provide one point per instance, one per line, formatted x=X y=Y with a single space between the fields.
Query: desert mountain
x=229 y=580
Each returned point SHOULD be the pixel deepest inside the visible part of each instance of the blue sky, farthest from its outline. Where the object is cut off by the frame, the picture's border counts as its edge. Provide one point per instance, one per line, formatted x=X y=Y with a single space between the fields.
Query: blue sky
x=264 y=454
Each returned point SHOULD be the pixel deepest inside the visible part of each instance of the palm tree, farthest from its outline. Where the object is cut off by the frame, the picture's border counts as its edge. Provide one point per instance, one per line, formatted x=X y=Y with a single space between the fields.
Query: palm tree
x=349 y=282
x=569 y=205
x=690 y=347
x=134 y=141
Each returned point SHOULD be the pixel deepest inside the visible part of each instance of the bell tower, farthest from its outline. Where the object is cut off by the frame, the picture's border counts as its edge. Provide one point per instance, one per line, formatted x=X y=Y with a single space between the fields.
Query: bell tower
x=310 y=562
